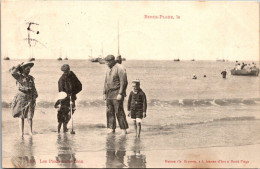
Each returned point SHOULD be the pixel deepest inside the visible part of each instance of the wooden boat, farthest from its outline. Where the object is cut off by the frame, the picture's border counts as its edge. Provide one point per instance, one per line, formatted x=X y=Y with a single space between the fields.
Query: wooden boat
x=193 y=60
x=176 y=60
x=59 y=58
x=66 y=58
x=244 y=72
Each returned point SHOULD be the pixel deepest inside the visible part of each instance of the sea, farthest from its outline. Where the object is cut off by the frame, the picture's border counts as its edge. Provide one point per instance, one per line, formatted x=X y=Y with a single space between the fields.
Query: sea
x=182 y=113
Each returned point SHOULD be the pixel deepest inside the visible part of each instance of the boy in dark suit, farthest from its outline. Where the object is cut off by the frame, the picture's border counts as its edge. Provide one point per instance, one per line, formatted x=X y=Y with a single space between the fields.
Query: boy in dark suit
x=137 y=106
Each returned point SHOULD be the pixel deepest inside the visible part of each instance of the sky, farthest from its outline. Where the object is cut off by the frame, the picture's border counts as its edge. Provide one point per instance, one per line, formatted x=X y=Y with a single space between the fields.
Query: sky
x=79 y=29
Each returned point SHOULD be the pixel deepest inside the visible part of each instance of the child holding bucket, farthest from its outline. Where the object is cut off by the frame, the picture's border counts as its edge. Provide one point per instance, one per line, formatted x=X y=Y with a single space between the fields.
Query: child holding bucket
x=63 y=106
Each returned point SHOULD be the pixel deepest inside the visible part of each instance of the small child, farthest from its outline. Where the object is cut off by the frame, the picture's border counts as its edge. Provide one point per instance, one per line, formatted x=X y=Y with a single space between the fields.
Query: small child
x=137 y=105
x=63 y=105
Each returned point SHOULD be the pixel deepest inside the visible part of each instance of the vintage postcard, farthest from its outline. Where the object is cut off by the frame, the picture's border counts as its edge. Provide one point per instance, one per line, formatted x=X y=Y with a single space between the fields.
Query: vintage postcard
x=130 y=84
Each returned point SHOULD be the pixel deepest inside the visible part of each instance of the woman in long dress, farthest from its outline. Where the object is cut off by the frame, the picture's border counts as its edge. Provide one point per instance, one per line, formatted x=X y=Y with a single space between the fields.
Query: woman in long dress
x=24 y=101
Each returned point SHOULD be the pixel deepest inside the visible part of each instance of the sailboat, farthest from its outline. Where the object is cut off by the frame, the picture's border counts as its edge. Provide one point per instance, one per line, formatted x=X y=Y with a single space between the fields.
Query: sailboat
x=6 y=57
x=66 y=58
x=91 y=57
x=31 y=58
x=101 y=59
x=123 y=59
x=59 y=58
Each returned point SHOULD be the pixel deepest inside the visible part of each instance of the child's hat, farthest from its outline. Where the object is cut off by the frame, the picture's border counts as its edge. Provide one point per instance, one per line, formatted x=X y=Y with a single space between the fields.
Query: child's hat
x=61 y=95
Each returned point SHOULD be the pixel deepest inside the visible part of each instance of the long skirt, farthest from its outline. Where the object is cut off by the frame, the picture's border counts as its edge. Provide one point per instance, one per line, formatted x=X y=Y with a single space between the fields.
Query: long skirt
x=23 y=106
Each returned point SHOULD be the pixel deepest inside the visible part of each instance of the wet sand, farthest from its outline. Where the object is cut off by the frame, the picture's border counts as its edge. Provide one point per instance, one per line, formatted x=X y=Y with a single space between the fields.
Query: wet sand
x=214 y=157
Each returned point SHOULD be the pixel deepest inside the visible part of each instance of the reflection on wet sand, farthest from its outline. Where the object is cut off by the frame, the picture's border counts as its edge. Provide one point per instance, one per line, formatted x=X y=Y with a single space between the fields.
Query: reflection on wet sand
x=136 y=159
x=23 y=149
x=115 y=151
x=66 y=155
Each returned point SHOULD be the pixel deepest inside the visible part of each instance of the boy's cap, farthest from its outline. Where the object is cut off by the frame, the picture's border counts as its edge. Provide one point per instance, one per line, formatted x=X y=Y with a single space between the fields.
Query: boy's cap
x=137 y=81
x=61 y=95
x=109 y=58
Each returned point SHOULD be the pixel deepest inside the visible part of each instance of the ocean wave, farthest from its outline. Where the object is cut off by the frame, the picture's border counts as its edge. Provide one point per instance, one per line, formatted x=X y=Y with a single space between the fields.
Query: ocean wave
x=158 y=103
x=169 y=127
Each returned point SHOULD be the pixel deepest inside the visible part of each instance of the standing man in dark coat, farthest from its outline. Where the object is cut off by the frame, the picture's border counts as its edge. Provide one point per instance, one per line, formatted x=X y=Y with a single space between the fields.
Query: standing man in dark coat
x=70 y=84
x=114 y=93
x=224 y=74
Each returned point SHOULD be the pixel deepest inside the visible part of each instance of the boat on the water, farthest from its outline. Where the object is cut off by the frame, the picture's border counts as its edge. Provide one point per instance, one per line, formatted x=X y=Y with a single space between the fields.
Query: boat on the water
x=32 y=59
x=94 y=59
x=221 y=60
x=193 y=60
x=6 y=57
x=245 y=72
x=66 y=58
x=176 y=60
x=101 y=61
x=59 y=58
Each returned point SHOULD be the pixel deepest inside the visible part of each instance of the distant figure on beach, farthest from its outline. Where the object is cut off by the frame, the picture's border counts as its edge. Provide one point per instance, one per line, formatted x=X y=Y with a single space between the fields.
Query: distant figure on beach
x=194 y=76
x=224 y=73
x=114 y=92
x=70 y=84
x=137 y=106
x=63 y=106
x=25 y=100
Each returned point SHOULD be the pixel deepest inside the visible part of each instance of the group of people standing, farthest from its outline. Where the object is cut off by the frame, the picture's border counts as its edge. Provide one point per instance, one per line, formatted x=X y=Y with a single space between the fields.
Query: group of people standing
x=69 y=86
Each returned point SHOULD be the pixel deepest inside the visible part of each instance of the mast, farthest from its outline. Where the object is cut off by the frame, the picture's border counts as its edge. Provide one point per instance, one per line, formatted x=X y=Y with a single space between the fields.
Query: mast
x=118 y=37
x=102 y=55
x=60 y=53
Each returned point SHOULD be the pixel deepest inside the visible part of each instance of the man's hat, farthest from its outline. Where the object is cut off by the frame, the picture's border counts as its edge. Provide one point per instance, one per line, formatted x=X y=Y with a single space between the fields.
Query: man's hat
x=24 y=64
x=61 y=95
x=110 y=58
x=65 y=67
